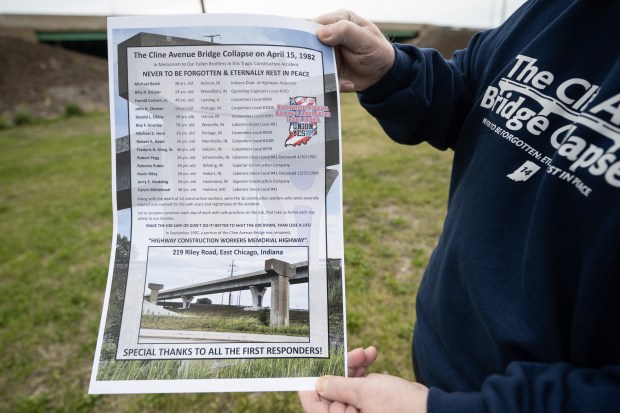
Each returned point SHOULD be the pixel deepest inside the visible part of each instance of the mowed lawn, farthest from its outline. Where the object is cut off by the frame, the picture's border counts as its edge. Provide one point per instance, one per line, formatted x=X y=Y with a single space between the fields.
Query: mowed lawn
x=56 y=229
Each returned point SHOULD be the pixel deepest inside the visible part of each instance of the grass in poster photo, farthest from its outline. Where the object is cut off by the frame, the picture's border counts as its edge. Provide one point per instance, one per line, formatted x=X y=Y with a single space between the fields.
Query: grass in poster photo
x=222 y=369
x=225 y=318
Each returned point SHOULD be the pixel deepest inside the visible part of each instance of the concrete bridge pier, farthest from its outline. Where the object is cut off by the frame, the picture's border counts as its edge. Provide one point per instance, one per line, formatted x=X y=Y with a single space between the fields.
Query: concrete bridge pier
x=187 y=300
x=280 y=272
x=257 y=297
x=154 y=292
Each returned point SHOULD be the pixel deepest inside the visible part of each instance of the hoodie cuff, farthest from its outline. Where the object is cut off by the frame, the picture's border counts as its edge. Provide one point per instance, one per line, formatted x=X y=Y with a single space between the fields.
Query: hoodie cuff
x=455 y=402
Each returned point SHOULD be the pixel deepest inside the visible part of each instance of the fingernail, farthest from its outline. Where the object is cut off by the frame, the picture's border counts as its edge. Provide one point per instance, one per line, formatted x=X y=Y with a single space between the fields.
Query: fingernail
x=347 y=86
x=321 y=384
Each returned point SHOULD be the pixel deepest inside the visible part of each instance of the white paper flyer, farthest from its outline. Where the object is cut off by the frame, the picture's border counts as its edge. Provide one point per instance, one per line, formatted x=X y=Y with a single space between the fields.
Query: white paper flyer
x=226 y=272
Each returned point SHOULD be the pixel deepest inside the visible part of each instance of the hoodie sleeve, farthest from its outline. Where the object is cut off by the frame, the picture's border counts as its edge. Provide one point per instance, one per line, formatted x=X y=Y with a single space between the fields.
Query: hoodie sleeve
x=537 y=387
x=424 y=97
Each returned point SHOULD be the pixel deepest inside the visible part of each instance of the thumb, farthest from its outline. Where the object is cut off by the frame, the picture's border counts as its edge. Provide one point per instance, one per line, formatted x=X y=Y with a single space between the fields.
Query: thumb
x=340 y=389
x=348 y=34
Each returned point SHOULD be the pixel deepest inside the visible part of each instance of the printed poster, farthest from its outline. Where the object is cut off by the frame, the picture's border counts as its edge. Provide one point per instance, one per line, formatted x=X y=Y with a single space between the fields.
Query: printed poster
x=226 y=271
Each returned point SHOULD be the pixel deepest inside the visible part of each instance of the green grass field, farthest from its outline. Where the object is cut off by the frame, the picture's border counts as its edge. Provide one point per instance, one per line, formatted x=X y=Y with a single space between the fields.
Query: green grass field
x=56 y=227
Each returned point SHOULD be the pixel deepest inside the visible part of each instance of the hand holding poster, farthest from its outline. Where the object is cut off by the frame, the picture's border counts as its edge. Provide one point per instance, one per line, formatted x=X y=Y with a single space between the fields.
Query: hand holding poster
x=226 y=271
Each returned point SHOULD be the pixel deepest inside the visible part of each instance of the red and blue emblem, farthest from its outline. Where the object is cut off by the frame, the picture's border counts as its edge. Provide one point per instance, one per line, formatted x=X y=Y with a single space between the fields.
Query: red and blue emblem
x=305 y=125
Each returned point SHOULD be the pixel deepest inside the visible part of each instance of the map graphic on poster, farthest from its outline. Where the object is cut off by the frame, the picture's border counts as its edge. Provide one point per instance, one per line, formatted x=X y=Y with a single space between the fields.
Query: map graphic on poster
x=226 y=272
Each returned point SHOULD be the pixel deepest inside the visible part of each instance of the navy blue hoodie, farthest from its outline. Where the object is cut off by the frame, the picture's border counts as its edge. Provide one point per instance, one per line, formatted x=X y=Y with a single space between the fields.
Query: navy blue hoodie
x=519 y=309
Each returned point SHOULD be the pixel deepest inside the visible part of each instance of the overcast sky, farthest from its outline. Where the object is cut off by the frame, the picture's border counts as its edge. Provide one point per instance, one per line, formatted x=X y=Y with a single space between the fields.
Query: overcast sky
x=458 y=13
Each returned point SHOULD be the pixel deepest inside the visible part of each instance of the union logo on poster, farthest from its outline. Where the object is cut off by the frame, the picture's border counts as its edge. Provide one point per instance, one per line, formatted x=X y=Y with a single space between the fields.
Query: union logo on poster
x=302 y=131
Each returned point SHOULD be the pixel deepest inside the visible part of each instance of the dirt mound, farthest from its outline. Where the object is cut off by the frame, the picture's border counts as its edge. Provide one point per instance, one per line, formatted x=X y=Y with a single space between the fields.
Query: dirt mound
x=446 y=40
x=41 y=80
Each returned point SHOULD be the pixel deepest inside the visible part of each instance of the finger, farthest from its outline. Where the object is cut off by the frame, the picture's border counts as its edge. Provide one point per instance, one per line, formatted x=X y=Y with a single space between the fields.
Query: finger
x=312 y=402
x=371 y=355
x=356 y=358
x=337 y=407
x=341 y=389
x=348 y=34
x=359 y=359
x=359 y=372
x=346 y=86
x=351 y=409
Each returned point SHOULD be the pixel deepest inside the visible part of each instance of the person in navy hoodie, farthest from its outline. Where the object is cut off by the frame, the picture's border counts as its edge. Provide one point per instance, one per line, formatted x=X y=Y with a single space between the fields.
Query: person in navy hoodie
x=519 y=308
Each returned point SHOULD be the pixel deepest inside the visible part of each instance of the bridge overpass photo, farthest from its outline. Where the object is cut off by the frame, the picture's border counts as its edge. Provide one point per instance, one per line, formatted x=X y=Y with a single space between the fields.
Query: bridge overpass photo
x=277 y=275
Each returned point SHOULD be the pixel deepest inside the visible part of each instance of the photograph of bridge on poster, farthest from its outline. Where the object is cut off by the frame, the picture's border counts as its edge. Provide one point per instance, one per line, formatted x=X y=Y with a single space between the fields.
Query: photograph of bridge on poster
x=200 y=294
